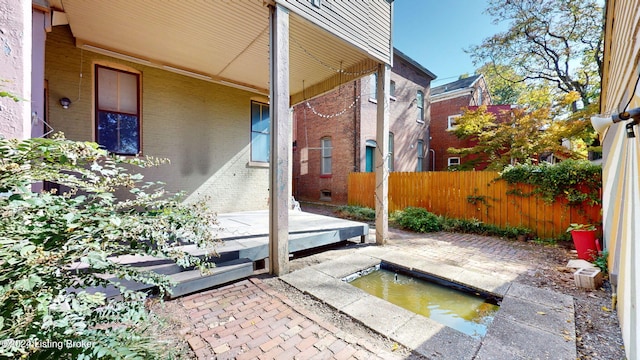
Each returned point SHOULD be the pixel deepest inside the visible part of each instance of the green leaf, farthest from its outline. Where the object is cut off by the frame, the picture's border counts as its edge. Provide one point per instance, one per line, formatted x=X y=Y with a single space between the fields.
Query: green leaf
x=27 y=250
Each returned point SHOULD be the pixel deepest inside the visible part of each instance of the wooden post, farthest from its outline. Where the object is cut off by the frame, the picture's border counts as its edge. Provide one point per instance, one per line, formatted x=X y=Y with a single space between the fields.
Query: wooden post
x=382 y=165
x=279 y=182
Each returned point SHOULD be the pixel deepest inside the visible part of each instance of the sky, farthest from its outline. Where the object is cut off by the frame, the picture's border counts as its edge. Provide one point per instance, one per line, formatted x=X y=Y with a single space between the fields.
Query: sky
x=435 y=32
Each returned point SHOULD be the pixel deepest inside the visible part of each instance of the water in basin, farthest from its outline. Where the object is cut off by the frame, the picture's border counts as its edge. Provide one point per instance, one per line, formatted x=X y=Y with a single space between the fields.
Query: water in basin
x=466 y=312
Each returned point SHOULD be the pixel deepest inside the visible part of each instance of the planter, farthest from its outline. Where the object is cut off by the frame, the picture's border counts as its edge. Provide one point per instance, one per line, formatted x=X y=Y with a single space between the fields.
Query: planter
x=586 y=244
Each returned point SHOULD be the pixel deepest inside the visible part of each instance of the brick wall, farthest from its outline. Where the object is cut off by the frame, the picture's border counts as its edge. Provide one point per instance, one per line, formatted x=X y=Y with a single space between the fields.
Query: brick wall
x=310 y=128
x=203 y=128
x=441 y=139
x=352 y=129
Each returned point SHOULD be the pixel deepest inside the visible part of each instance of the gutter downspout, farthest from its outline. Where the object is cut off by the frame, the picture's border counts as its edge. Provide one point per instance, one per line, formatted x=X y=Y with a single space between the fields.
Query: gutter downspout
x=433 y=159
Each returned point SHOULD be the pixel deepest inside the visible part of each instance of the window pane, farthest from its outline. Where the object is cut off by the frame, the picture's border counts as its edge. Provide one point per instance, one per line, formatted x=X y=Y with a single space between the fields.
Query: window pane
x=129 y=137
x=326 y=147
x=326 y=165
x=259 y=118
x=107 y=133
x=118 y=133
x=392 y=89
x=128 y=92
x=259 y=147
x=107 y=89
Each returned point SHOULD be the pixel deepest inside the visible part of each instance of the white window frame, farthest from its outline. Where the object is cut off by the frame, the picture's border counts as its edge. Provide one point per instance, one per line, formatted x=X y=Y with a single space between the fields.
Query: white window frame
x=326 y=156
x=420 y=150
x=452 y=120
x=263 y=107
x=391 y=150
x=420 y=105
x=455 y=158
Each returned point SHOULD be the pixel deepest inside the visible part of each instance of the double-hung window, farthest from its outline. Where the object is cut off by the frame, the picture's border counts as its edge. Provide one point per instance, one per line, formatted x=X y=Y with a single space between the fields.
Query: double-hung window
x=326 y=156
x=420 y=155
x=118 y=110
x=420 y=104
x=260 y=136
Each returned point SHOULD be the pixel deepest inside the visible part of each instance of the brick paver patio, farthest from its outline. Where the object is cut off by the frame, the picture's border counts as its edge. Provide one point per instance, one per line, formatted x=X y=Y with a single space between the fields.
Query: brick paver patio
x=249 y=320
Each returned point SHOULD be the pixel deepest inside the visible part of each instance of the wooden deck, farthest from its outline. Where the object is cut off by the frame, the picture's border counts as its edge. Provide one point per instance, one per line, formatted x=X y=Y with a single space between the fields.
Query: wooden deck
x=245 y=244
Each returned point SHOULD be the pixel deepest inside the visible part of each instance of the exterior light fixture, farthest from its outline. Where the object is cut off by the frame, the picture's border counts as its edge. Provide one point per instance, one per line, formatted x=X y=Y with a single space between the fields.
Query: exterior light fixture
x=629 y=129
x=65 y=102
x=602 y=123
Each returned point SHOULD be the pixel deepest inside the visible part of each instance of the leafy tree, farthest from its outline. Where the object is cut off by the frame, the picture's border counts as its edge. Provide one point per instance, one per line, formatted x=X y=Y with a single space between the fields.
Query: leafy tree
x=518 y=136
x=53 y=246
x=554 y=41
x=503 y=83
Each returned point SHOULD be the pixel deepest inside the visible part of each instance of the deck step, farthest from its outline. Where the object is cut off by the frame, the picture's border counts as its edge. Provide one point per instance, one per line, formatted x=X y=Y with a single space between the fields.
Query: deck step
x=187 y=281
x=192 y=281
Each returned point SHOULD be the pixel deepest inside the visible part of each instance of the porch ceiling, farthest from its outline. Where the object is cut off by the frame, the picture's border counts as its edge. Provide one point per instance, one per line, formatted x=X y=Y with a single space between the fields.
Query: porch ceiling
x=224 y=41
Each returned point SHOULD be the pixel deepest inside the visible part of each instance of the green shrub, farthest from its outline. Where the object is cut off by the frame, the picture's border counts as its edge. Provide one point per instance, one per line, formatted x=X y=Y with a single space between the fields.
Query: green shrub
x=475 y=226
x=356 y=212
x=418 y=220
x=43 y=236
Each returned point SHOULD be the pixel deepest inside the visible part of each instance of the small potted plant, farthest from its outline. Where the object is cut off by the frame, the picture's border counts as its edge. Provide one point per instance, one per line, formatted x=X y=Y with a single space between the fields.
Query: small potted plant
x=584 y=240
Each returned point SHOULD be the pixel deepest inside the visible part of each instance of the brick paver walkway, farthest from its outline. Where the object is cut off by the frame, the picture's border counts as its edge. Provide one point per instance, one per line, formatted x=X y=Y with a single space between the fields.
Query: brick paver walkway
x=249 y=320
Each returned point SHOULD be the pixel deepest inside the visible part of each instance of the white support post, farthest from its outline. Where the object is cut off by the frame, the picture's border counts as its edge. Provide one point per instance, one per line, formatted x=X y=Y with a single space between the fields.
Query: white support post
x=382 y=164
x=279 y=181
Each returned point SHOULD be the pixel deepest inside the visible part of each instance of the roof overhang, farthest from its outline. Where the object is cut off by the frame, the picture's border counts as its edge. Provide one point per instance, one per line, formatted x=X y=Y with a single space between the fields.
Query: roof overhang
x=225 y=42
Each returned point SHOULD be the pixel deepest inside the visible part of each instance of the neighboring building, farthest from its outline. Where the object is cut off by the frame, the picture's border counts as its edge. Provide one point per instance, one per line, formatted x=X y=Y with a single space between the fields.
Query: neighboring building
x=335 y=134
x=448 y=101
x=621 y=165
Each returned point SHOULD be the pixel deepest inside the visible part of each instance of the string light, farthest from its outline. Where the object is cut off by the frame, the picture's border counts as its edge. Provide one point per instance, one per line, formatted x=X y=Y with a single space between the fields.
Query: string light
x=326 y=116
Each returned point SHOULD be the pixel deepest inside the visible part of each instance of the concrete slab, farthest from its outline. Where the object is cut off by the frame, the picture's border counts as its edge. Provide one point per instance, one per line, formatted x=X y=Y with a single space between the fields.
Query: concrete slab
x=449 y=344
x=486 y=282
x=377 y=314
x=347 y=265
x=417 y=331
x=305 y=279
x=336 y=293
x=540 y=296
x=520 y=341
x=555 y=320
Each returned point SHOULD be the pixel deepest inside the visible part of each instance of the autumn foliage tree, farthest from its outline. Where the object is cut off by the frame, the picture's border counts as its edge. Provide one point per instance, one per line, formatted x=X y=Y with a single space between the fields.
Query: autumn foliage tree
x=520 y=135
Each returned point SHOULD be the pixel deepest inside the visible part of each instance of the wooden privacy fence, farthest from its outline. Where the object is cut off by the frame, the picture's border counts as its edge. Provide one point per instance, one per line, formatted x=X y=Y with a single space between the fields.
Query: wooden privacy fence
x=473 y=195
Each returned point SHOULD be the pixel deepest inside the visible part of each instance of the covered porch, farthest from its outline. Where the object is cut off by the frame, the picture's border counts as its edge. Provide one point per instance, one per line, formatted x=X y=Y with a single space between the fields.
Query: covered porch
x=285 y=50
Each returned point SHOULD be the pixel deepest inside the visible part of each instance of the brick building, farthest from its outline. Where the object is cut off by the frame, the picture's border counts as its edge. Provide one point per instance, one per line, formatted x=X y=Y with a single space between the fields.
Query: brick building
x=448 y=101
x=334 y=134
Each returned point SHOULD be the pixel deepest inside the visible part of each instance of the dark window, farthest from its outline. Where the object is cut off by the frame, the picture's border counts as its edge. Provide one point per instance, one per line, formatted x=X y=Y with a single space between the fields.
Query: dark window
x=118 y=110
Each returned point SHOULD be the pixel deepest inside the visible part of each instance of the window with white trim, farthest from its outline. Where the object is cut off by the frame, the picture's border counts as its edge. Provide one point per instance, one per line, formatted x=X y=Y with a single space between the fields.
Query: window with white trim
x=420 y=151
x=260 y=136
x=453 y=161
x=420 y=104
x=390 y=162
x=451 y=122
x=117 y=123
x=326 y=156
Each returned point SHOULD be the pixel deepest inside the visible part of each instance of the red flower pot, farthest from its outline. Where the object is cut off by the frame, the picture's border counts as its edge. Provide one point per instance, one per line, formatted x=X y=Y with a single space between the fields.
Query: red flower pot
x=586 y=244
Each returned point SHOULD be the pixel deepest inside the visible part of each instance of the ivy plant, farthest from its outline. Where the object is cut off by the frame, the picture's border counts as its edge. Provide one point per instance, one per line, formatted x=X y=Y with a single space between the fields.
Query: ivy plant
x=56 y=244
x=576 y=181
